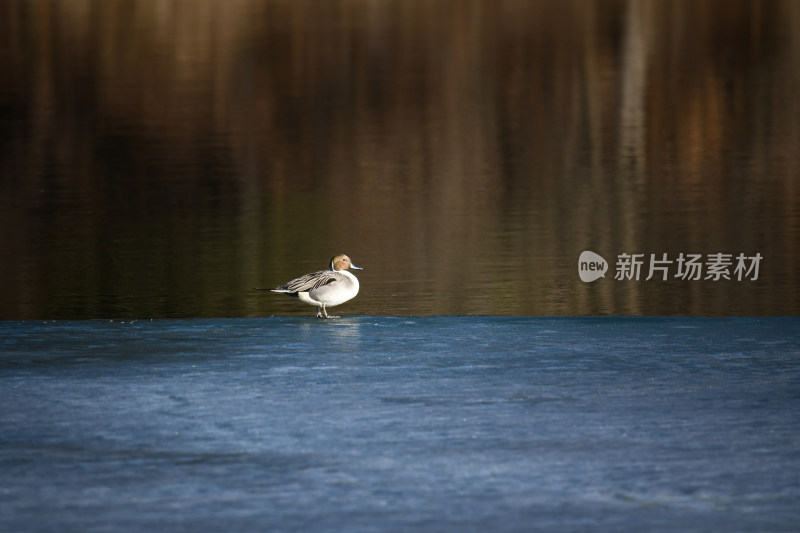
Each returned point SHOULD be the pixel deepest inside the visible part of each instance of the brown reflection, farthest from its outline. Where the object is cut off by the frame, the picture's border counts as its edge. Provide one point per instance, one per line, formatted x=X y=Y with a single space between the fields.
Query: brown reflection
x=160 y=158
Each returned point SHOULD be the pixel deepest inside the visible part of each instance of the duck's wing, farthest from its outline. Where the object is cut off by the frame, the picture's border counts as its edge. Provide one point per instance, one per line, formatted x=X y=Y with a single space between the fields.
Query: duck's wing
x=309 y=282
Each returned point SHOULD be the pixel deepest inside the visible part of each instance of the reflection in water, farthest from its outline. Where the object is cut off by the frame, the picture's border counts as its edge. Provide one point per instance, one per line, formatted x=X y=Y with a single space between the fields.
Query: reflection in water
x=161 y=158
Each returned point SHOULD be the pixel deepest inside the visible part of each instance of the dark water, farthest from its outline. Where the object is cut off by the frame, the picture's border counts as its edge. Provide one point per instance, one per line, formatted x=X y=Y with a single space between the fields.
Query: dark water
x=159 y=158
x=401 y=424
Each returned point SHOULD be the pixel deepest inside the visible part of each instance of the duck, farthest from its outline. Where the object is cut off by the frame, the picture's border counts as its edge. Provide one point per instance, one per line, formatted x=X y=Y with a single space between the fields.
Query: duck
x=325 y=288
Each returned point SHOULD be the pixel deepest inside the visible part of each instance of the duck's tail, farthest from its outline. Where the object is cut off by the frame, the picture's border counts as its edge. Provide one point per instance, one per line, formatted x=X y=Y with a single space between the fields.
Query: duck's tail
x=271 y=290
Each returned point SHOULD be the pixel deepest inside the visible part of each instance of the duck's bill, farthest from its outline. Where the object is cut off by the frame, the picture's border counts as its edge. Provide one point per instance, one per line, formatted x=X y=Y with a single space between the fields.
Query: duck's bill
x=357 y=268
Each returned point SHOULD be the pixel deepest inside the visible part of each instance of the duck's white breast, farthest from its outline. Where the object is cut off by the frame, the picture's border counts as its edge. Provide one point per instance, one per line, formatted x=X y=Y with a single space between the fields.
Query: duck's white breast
x=343 y=289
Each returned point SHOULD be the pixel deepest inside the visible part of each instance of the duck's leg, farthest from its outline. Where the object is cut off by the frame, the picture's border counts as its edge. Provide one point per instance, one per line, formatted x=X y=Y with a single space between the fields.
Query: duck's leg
x=325 y=312
x=319 y=312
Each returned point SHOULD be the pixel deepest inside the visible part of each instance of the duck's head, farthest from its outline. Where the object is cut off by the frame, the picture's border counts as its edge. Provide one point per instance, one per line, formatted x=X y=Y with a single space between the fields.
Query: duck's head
x=342 y=262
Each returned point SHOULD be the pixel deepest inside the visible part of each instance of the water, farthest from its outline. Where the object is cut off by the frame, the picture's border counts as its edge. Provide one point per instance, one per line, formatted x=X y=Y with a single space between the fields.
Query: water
x=401 y=423
x=160 y=158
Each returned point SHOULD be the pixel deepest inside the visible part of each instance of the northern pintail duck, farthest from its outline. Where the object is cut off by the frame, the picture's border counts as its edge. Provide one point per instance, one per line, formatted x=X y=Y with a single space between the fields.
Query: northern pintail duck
x=325 y=288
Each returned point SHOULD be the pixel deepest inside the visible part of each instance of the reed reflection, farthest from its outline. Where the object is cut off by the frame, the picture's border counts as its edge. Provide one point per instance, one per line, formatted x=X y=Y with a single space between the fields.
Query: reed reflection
x=161 y=158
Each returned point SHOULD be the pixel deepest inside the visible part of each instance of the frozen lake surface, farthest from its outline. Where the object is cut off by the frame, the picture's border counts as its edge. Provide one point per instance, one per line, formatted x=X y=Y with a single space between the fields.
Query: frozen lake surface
x=401 y=424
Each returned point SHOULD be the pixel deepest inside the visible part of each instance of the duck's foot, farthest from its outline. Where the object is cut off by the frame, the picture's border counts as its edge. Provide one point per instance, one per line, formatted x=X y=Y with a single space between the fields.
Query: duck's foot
x=323 y=313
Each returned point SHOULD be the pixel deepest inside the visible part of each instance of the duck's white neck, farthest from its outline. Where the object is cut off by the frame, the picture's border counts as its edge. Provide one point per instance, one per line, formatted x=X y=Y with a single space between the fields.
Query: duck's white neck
x=349 y=275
